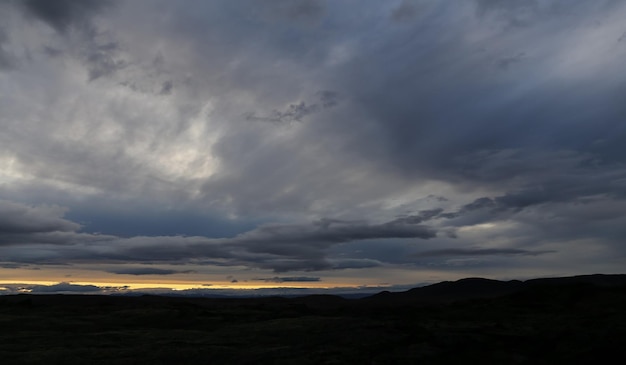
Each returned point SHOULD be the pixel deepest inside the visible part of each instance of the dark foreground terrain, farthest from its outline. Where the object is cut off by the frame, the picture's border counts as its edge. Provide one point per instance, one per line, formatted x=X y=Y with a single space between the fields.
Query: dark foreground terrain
x=577 y=320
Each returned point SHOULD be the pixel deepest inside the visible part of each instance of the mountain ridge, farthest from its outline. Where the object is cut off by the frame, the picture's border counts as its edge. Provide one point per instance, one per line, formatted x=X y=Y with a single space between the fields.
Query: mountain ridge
x=475 y=288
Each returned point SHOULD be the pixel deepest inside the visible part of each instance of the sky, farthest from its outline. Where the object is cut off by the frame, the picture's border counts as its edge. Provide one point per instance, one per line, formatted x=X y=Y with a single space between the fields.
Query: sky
x=309 y=143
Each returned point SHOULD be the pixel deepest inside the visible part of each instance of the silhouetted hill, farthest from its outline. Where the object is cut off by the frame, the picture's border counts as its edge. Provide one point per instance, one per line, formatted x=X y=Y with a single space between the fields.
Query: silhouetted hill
x=574 y=320
x=596 y=279
x=474 y=288
x=450 y=291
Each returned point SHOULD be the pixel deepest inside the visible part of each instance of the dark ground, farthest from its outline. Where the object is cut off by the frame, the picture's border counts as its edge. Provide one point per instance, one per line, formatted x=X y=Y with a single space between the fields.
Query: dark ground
x=475 y=321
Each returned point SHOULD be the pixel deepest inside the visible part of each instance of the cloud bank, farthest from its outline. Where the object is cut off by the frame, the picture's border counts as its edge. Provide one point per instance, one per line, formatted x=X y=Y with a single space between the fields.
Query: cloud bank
x=298 y=136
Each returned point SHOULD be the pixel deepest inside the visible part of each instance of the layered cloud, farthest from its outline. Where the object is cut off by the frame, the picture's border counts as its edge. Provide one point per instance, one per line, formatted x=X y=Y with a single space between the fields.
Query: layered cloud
x=313 y=135
x=279 y=247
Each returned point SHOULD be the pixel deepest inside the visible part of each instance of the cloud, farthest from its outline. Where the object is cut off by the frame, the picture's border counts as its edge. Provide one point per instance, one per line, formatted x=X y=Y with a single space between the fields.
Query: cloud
x=405 y=12
x=559 y=179
x=74 y=20
x=480 y=252
x=340 y=264
x=12 y=265
x=505 y=62
x=164 y=142
x=289 y=279
x=279 y=247
x=298 y=10
x=166 y=88
x=62 y=15
x=297 y=112
x=16 y=218
x=146 y=271
x=7 y=59
x=303 y=247
x=422 y=216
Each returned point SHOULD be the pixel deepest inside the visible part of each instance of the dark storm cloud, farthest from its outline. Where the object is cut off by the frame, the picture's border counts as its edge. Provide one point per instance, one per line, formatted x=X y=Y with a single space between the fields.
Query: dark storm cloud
x=287 y=247
x=21 y=219
x=433 y=112
x=557 y=180
x=166 y=88
x=336 y=233
x=102 y=59
x=303 y=8
x=62 y=15
x=289 y=279
x=12 y=265
x=516 y=12
x=505 y=62
x=480 y=252
x=74 y=20
x=7 y=60
x=304 y=247
x=298 y=10
x=52 y=52
x=512 y=110
x=146 y=271
x=405 y=12
x=340 y=264
x=279 y=247
x=422 y=216
x=297 y=112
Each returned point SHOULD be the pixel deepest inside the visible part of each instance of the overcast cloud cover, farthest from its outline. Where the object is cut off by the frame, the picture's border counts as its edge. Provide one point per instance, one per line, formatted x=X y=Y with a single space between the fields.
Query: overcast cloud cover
x=354 y=142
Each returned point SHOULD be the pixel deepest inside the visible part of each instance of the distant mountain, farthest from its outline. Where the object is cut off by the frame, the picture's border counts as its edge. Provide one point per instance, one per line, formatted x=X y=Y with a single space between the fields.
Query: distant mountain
x=474 y=288
x=597 y=279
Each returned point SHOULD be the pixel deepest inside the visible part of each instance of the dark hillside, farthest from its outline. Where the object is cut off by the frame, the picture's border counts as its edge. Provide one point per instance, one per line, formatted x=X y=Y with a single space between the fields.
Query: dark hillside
x=478 y=321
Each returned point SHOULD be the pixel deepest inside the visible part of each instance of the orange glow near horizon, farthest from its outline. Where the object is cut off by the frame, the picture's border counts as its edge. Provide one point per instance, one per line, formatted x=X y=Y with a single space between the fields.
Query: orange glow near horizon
x=173 y=285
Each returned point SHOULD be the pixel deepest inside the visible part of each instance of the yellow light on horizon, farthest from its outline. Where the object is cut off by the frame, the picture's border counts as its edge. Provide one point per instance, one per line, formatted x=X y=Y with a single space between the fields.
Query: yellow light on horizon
x=185 y=286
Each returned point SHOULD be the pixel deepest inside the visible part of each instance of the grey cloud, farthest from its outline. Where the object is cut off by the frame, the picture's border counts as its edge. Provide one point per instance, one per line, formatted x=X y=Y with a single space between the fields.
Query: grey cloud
x=301 y=247
x=166 y=88
x=481 y=252
x=420 y=108
x=293 y=113
x=146 y=271
x=328 y=98
x=12 y=265
x=279 y=247
x=429 y=140
x=52 y=52
x=298 y=10
x=280 y=237
x=341 y=264
x=505 y=62
x=16 y=218
x=298 y=111
x=74 y=20
x=7 y=59
x=289 y=279
x=62 y=15
x=514 y=13
x=326 y=222
x=564 y=179
x=102 y=59
x=406 y=11
x=422 y=216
